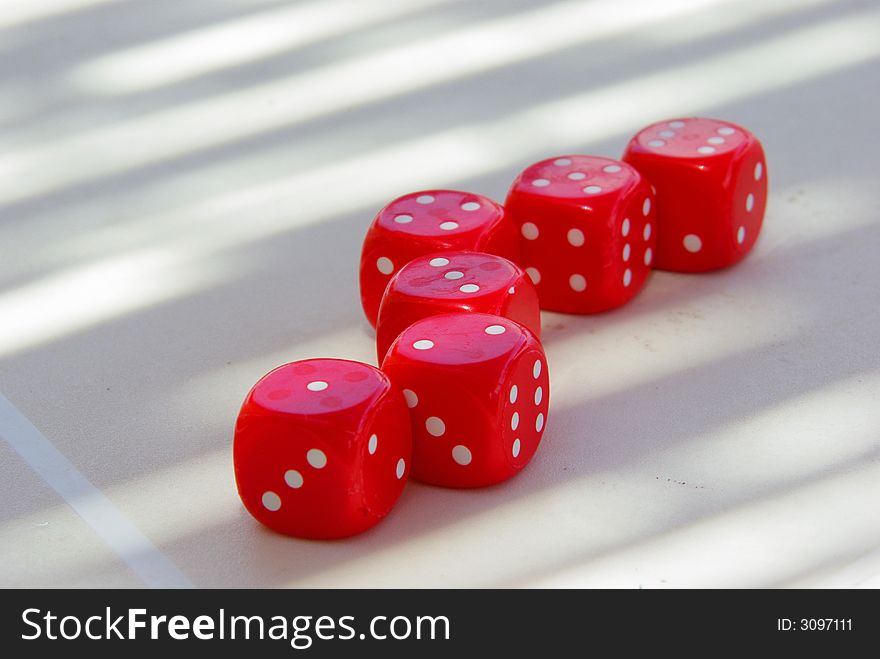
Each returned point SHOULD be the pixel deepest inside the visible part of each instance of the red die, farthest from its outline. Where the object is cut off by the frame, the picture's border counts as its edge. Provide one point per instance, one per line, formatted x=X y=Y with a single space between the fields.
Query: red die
x=711 y=183
x=587 y=228
x=425 y=222
x=478 y=391
x=322 y=448
x=456 y=281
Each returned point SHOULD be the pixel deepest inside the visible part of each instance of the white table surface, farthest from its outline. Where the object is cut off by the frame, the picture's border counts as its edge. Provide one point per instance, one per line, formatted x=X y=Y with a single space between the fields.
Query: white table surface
x=184 y=187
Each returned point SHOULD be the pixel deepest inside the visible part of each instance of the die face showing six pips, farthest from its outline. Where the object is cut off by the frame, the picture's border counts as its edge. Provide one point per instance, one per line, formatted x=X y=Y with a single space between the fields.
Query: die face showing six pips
x=711 y=183
x=477 y=386
x=586 y=225
x=445 y=282
x=425 y=222
x=322 y=448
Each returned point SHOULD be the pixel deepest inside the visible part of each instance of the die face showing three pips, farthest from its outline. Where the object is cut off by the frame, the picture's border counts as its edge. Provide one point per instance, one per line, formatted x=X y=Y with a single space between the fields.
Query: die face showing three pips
x=477 y=386
x=587 y=231
x=322 y=448
x=425 y=222
x=711 y=183
x=446 y=282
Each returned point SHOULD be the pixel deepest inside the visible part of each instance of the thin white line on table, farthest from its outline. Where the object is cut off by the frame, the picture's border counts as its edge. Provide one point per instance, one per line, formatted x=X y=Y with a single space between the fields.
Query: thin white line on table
x=133 y=547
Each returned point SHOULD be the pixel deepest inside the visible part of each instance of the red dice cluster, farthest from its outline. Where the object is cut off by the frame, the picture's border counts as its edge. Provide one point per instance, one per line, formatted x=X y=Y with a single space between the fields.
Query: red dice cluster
x=454 y=283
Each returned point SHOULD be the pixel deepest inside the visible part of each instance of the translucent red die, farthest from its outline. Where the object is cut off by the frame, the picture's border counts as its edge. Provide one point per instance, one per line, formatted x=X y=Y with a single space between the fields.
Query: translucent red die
x=711 y=183
x=425 y=222
x=455 y=281
x=478 y=391
x=322 y=448
x=587 y=231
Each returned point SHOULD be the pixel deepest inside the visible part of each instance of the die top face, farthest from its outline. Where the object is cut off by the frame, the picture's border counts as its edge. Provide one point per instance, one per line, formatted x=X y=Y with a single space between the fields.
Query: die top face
x=693 y=138
x=318 y=387
x=456 y=276
x=443 y=214
x=459 y=339
x=576 y=177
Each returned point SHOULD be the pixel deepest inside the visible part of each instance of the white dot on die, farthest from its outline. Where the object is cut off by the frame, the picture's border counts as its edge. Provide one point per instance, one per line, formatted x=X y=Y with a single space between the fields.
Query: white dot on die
x=715 y=140
x=577 y=282
x=412 y=398
x=495 y=329
x=403 y=219
x=469 y=288
x=373 y=444
x=539 y=423
x=529 y=231
x=740 y=235
x=575 y=237
x=271 y=501
x=692 y=243
x=534 y=275
x=750 y=202
x=514 y=391
x=649 y=256
x=627 y=277
x=514 y=421
x=611 y=169
x=449 y=226
x=540 y=183
x=562 y=162
x=656 y=143
x=624 y=228
x=401 y=468
x=646 y=233
x=317 y=385
x=462 y=455
x=536 y=369
x=423 y=344
x=511 y=290
x=453 y=274
x=425 y=199
x=676 y=124
x=646 y=206
x=626 y=251
x=577 y=176
x=667 y=133
x=384 y=265
x=439 y=262
x=470 y=206
x=706 y=149
x=435 y=426
x=516 y=446
x=759 y=171
x=539 y=395
x=316 y=458
x=726 y=130
x=293 y=478
x=592 y=189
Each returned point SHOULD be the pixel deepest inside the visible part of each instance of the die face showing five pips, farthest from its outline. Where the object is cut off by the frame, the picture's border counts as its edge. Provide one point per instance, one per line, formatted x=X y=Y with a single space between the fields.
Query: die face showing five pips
x=586 y=226
x=323 y=447
x=425 y=222
x=445 y=282
x=711 y=182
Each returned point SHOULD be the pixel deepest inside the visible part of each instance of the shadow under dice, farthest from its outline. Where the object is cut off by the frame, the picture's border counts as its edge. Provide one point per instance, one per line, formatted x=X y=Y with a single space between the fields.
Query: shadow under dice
x=478 y=391
x=322 y=448
x=711 y=183
x=587 y=231
x=456 y=281
x=424 y=222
